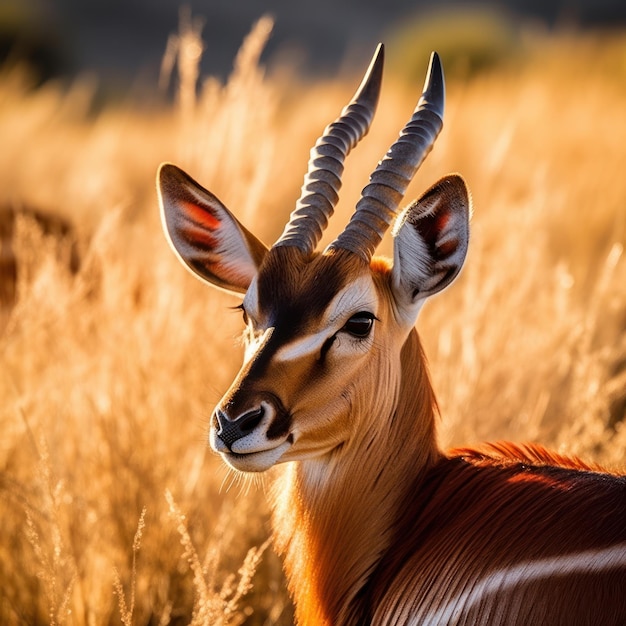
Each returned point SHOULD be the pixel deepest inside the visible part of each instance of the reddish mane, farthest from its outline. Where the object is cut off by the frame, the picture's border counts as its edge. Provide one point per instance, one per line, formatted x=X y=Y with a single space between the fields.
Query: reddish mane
x=506 y=453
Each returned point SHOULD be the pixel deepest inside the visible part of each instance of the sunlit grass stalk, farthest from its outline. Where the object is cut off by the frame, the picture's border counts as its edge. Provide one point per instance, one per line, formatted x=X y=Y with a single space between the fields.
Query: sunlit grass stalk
x=215 y=605
x=127 y=609
x=56 y=566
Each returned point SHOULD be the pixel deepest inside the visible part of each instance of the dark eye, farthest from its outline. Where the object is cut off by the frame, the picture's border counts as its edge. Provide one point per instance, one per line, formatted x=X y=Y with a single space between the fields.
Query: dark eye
x=243 y=311
x=360 y=324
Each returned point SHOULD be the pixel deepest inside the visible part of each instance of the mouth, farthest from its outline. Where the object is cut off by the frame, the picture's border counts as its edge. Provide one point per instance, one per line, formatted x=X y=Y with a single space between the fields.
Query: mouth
x=252 y=453
x=257 y=460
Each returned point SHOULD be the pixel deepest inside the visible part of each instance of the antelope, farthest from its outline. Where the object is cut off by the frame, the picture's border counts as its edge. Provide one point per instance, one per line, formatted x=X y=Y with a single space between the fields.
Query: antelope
x=376 y=524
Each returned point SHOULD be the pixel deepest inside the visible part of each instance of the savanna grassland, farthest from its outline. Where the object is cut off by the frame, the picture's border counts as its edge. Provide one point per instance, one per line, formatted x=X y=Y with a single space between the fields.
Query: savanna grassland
x=113 y=509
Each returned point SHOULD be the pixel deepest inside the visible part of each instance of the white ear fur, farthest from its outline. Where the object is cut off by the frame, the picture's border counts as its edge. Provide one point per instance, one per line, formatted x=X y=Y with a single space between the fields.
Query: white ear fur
x=205 y=235
x=430 y=245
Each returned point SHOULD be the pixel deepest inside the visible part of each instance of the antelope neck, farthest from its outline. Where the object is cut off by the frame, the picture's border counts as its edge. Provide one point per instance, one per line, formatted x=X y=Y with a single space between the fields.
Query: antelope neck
x=334 y=518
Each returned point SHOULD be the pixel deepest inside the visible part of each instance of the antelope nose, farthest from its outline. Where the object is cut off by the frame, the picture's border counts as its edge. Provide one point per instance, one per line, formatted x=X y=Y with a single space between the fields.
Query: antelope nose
x=230 y=431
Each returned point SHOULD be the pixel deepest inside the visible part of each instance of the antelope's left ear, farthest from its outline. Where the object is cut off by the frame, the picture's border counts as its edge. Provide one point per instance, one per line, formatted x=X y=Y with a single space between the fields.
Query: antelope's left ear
x=431 y=239
x=207 y=237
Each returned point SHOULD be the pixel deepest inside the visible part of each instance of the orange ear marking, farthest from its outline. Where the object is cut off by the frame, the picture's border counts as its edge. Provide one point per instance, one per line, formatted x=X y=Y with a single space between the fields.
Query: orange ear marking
x=200 y=215
x=199 y=235
x=208 y=238
x=442 y=220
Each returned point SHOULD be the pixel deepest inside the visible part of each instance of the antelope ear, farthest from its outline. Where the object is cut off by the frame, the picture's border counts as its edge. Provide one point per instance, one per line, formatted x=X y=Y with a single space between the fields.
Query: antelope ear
x=206 y=236
x=431 y=239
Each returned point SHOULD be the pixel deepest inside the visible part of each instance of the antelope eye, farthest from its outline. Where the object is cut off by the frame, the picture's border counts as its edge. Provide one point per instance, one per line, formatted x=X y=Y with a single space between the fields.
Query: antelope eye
x=360 y=324
x=244 y=314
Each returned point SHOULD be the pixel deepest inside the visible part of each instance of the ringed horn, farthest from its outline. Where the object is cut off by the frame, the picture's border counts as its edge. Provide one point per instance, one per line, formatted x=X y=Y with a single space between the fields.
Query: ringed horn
x=388 y=183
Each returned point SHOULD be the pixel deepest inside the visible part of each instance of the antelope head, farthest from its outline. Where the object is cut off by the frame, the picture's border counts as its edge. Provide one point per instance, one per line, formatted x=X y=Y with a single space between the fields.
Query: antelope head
x=324 y=330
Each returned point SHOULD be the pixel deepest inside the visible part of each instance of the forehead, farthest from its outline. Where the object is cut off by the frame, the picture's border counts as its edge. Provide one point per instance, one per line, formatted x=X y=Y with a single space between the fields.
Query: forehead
x=297 y=291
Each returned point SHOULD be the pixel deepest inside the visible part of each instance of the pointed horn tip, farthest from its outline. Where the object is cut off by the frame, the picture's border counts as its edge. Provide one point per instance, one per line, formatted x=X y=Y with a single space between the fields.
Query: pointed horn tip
x=379 y=53
x=377 y=62
x=434 y=92
x=369 y=89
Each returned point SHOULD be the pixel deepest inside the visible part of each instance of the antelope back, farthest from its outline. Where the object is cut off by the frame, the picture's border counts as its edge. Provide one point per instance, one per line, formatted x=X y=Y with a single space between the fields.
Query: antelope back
x=324 y=330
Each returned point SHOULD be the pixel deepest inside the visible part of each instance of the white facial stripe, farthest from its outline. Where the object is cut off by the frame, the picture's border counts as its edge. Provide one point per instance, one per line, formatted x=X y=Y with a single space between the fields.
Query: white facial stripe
x=255 y=343
x=301 y=347
x=588 y=562
x=358 y=296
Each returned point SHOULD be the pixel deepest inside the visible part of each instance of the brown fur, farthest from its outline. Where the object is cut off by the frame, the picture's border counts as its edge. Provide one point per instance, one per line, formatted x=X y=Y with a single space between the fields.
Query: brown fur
x=474 y=515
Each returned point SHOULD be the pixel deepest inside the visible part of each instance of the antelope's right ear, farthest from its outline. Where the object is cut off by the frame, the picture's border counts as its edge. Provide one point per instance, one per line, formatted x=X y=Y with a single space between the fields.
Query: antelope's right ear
x=430 y=245
x=206 y=236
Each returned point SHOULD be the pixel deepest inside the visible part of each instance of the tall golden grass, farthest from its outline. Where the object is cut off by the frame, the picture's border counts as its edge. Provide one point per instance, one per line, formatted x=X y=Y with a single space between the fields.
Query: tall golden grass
x=113 y=511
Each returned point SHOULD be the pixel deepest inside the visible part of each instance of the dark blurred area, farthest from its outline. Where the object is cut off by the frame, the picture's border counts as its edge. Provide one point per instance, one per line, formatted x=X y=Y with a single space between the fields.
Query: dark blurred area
x=122 y=42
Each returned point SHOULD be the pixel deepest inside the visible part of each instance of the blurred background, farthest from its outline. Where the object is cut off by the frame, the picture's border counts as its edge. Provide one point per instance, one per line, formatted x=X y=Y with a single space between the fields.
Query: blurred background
x=112 y=356
x=122 y=41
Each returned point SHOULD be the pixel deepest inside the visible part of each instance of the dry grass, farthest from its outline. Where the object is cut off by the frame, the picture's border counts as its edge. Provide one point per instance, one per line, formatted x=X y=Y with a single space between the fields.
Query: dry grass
x=112 y=509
